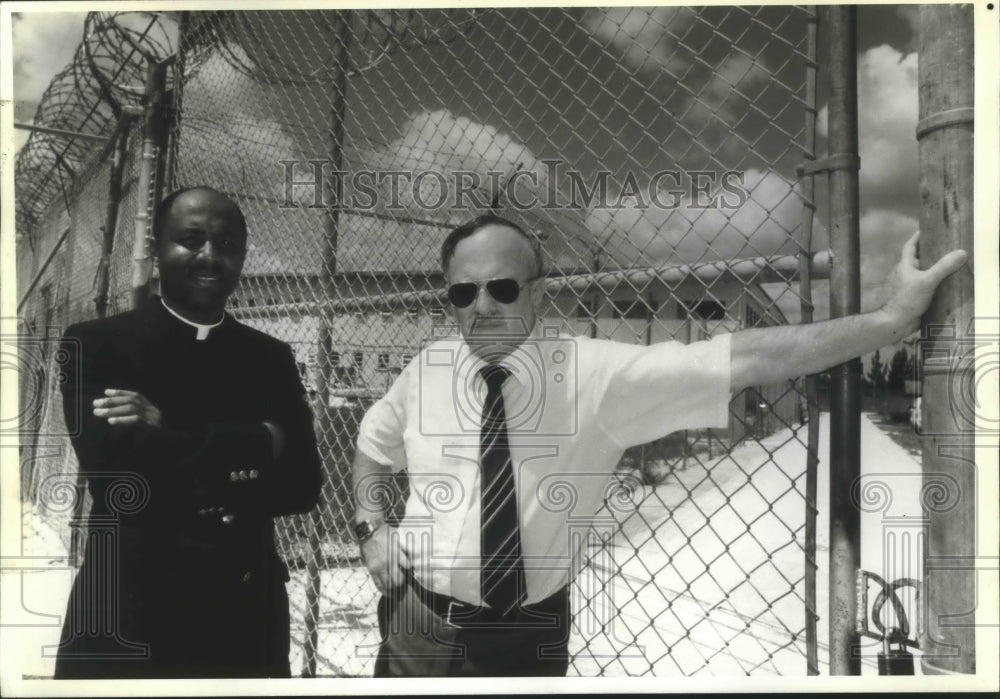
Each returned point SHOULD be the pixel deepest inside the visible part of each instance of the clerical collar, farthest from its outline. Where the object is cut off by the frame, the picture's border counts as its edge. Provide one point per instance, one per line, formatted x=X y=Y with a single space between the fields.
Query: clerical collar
x=203 y=330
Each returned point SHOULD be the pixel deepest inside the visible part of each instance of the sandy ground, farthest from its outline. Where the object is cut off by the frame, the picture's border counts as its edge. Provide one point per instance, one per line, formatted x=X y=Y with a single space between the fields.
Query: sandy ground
x=684 y=605
x=719 y=589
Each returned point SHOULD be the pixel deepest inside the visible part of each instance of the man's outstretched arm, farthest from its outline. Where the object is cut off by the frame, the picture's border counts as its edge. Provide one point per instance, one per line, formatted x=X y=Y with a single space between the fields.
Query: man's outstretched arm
x=762 y=356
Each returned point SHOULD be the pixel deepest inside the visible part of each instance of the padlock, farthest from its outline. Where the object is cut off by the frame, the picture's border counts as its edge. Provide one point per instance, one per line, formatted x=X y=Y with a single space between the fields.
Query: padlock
x=894 y=661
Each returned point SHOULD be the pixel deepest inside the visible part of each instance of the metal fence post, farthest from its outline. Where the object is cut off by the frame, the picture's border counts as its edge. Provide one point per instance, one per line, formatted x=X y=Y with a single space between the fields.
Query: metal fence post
x=155 y=134
x=812 y=401
x=845 y=299
x=111 y=216
x=945 y=136
x=338 y=110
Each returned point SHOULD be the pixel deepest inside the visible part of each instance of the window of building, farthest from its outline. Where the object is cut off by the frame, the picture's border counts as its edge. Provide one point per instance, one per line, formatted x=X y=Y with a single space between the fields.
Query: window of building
x=383 y=362
x=705 y=309
x=633 y=310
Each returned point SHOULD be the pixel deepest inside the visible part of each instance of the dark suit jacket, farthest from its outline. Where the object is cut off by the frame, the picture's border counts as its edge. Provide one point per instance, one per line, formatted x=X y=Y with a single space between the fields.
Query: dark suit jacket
x=181 y=577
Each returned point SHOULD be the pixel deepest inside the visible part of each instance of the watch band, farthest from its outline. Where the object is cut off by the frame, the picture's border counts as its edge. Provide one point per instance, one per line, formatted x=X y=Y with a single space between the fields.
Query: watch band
x=364 y=530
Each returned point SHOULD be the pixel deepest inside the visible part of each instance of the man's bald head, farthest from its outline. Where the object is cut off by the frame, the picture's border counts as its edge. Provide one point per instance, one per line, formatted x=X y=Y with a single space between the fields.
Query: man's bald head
x=166 y=205
x=467 y=229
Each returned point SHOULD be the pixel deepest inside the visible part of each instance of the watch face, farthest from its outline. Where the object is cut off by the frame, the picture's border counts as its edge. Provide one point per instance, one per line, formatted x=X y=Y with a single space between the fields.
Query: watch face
x=363 y=530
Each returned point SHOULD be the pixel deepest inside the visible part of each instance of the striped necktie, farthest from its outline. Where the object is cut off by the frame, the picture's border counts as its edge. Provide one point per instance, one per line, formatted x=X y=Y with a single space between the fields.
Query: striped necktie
x=503 y=584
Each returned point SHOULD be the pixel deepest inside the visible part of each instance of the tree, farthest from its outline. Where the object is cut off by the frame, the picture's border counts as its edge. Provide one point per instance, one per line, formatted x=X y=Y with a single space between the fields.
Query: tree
x=876 y=374
x=900 y=369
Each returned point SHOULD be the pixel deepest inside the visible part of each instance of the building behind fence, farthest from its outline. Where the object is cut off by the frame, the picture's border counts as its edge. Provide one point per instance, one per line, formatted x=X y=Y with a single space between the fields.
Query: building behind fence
x=702 y=561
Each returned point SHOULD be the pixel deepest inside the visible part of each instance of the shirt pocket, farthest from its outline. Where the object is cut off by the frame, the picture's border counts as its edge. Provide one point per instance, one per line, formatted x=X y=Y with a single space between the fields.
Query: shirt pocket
x=442 y=473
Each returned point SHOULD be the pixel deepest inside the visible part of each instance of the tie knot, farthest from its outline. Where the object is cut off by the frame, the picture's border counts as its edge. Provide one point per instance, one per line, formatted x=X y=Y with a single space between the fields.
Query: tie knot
x=494 y=375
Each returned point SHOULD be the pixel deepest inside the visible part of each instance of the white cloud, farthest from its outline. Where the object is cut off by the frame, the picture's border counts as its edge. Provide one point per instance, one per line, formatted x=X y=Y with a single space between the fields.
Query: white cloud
x=766 y=223
x=440 y=139
x=887 y=121
x=444 y=143
x=887 y=109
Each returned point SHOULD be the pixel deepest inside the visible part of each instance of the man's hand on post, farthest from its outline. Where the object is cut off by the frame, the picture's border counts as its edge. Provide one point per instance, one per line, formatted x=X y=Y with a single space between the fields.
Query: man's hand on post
x=121 y=407
x=385 y=558
x=911 y=289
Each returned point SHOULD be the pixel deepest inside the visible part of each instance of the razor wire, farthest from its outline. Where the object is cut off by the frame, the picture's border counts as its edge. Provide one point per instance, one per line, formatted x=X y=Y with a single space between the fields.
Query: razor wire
x=652 y=151
x=87 y=97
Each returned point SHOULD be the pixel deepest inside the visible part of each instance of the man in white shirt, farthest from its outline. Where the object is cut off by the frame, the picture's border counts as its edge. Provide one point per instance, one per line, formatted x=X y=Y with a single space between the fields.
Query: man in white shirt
x=509 y=436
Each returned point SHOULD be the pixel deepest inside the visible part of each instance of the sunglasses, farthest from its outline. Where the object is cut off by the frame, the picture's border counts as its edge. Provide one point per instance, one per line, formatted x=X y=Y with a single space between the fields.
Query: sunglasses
x=505 y=290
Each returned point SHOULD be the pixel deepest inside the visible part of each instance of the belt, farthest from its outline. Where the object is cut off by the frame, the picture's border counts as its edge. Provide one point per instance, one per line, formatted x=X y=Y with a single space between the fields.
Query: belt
x=549 y=613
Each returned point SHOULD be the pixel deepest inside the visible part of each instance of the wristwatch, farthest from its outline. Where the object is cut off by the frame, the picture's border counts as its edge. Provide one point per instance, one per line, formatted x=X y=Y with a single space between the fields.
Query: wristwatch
x=365 y=530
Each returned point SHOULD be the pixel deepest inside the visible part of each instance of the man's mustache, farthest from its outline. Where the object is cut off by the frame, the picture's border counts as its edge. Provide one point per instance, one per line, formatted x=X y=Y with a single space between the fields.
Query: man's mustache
x=505 y=325
x=212 y=271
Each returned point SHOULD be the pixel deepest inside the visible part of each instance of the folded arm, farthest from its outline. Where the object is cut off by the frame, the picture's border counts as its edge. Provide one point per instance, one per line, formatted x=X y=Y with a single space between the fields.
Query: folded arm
x=273 y=464
x=292 y=478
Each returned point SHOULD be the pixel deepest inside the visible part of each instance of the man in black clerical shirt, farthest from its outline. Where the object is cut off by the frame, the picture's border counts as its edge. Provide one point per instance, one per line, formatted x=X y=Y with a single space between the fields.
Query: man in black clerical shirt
x=194 y=434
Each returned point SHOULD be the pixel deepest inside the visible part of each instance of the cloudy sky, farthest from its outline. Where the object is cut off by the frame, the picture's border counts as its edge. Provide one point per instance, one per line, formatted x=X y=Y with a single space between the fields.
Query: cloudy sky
x=43 y=44
x=638 y=50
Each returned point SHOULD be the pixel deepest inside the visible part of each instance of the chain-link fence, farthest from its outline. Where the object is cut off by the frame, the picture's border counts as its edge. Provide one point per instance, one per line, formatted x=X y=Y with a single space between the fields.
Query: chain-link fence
x=68 y=290
x=653 y=152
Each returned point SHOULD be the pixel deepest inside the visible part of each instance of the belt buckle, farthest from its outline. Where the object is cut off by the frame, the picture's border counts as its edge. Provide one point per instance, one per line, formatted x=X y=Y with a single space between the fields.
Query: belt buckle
x=447 y=619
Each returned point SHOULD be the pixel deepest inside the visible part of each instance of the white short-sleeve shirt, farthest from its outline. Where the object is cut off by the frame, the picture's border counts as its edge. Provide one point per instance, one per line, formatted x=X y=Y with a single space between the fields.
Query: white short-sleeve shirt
x=573 y=406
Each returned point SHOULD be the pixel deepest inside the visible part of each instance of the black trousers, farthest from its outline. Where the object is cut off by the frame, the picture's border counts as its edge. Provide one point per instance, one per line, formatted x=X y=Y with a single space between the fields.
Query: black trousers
x=417 y=642
x=175 y=622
